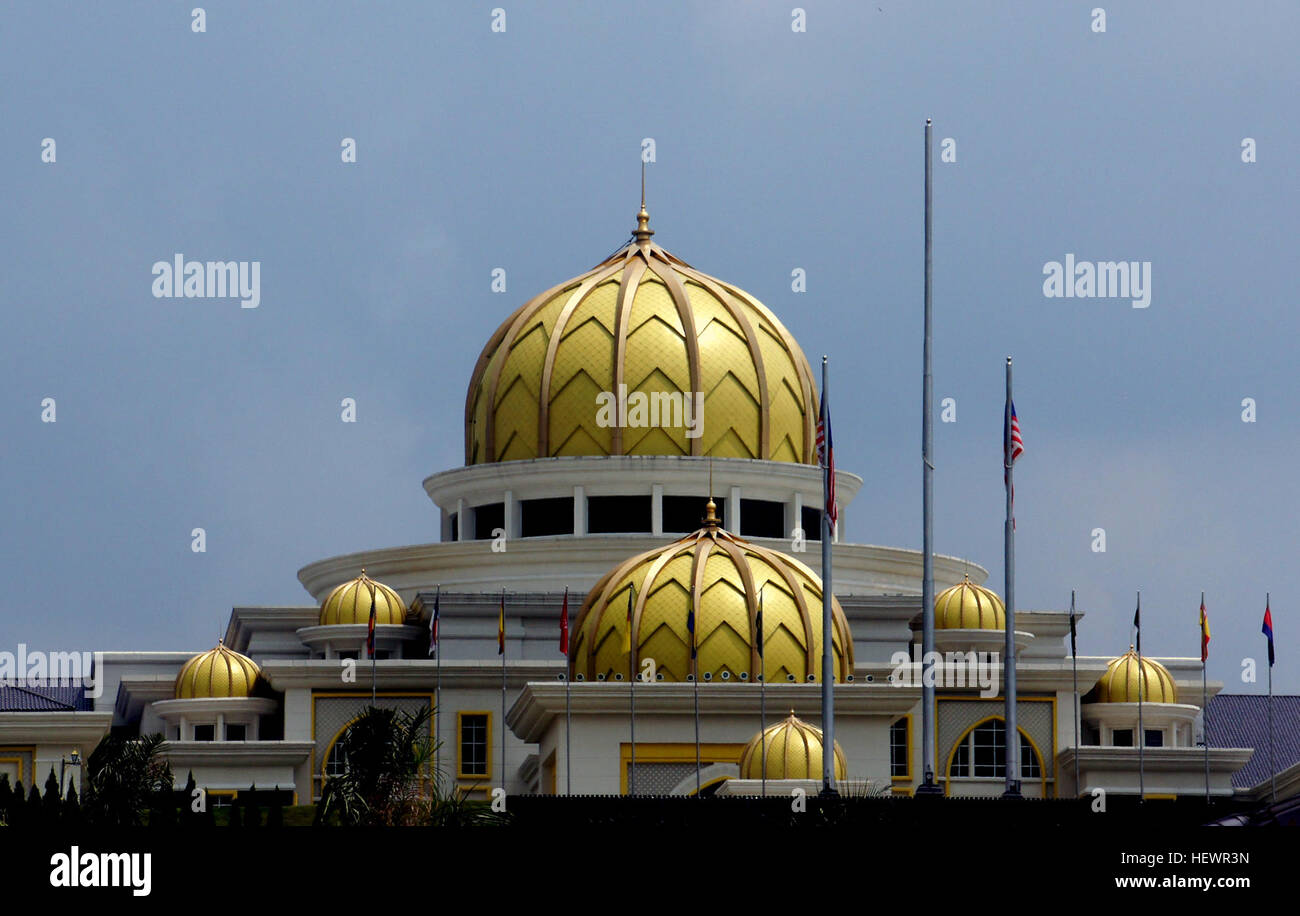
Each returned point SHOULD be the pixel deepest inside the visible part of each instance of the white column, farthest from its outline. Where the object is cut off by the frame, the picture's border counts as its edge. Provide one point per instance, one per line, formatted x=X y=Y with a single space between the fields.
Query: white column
x=732 y=523
x=297 y=714
x=657 y=509
x=221 y=727
x=460 y=520
x=184 y=727
x=579 y=511
x=796 y=509
x=512 y=510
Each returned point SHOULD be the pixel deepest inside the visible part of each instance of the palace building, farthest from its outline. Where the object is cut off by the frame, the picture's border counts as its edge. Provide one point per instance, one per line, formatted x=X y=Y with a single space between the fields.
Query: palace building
x=681 y=542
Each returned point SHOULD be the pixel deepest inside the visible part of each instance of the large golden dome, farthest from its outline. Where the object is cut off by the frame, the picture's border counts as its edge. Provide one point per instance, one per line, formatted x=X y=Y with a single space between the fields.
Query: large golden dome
x=717 y=577
x=794 y=751
x=967 y=606
x=220 y=673
x=648 y=321
x=350 y=603
x=1120 y=682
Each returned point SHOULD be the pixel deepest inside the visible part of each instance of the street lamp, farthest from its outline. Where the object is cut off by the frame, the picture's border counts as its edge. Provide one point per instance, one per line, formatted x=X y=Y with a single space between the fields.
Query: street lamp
x=74 y=760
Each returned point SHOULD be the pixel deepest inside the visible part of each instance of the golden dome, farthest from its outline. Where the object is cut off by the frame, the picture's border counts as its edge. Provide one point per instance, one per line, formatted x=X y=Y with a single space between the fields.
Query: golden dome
x=717 y=576
x=1120 y=682
x=644 y=322
x=219 y=672
x=967 y=606
x=794 y=751
x=350 y=603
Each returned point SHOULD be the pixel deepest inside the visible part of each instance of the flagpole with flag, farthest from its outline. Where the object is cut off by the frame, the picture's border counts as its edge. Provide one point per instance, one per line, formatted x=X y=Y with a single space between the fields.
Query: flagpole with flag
x=437 y=683
x=1205 y=694
x=928 y=785
x=1012 y=448
x=568 y=706
x=630 y=646
x=762 y=692
x=830 y=513
x=695 y=676
x=1141 y=735
x=501 y=650
x=370 y=640
x=1267 y=630
x=1074 y=664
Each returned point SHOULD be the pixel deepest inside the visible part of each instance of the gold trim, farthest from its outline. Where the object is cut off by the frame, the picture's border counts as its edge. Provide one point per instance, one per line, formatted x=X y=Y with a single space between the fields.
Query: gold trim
x=460 y=773
x=676 y=752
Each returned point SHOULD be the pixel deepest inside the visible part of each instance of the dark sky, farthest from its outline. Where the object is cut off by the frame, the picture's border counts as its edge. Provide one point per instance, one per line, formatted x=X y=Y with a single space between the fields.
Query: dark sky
x=776 y=150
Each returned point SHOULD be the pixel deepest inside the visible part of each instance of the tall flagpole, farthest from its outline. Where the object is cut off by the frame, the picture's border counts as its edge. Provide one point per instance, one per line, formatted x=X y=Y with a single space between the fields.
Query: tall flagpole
x=437 y=686
x=503 y=690
x=1205 y=701
x=762 y=693
x=1074 y=664
x=1009 y=649
x=928 y=785
x=695 y=678
x=631 y=688
x=568 y=706
x=1141 y=735
x=370 y=642
x=1272 y=769
x=828 y=668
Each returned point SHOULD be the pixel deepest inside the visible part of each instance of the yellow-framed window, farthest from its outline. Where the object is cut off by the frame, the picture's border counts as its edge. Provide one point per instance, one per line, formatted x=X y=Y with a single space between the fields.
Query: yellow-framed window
x=473 y=744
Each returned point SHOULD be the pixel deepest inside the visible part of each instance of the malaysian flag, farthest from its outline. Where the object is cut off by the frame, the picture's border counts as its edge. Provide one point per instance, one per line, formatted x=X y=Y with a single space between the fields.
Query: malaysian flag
x=826 y=458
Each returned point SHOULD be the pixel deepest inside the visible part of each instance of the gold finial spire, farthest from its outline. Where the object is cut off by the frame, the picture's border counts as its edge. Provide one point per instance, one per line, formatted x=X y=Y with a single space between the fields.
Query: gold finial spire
x=643 y=230
x=711 y=520
x=711 y=515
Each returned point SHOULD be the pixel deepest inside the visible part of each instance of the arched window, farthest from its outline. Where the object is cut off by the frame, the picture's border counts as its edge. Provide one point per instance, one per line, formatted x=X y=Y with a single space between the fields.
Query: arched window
x=983 y=753
x=337 y=762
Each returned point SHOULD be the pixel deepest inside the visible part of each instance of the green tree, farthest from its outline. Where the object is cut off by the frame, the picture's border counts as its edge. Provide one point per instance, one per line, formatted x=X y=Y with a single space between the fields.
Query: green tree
x=252 y=816
x=6 y=795
x=17 y=806
x=51 y=804
x=71 y=806
x=188 y=816
x=123 y=778
x=387 y=752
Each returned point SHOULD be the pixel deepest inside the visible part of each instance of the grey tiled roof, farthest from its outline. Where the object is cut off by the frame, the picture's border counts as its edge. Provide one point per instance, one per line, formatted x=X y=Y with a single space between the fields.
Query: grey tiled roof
x=1241 y=720
x=71 y=698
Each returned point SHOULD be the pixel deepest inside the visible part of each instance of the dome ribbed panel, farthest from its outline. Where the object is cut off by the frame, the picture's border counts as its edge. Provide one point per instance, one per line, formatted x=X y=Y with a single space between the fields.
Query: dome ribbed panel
x=682 y=332
x=727 y=608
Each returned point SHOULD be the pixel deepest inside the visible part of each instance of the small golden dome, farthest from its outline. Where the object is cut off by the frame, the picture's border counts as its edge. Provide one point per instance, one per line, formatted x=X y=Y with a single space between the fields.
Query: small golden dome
x=1120 y=682
x=219 y=672
x=350 y=603
x=645 y=323
x=717 y=577
x=794 y=751
x=967 y=606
